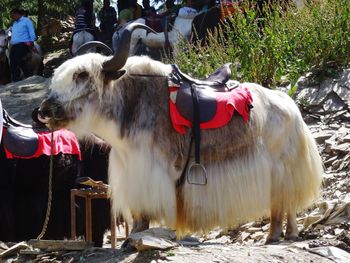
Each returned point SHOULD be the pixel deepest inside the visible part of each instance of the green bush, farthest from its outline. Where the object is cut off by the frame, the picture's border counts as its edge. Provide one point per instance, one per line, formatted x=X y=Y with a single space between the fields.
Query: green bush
x=281 y=41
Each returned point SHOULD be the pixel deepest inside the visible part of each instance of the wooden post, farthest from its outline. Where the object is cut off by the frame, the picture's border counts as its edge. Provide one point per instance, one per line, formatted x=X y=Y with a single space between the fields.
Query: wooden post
x=73 y=217
x=113 y=232
x=88 y=195
x=88 y=218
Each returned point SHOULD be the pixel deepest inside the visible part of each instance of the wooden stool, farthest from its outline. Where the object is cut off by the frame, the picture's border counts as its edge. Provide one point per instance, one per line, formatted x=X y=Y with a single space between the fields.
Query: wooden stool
x=88 y=195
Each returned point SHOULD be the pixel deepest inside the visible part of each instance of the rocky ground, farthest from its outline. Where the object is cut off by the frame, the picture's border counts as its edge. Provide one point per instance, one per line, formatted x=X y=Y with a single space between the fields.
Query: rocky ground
x=325 y=227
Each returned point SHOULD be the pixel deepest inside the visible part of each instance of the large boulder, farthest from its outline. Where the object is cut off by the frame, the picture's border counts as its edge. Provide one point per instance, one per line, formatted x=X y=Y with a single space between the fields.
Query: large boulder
x=56 y=33
x=20 y=98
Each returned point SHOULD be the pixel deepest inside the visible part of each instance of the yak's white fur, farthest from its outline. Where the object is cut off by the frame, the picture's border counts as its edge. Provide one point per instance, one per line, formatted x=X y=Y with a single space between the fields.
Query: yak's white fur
x=79 y=39
x=282 y=170
x=181 y=30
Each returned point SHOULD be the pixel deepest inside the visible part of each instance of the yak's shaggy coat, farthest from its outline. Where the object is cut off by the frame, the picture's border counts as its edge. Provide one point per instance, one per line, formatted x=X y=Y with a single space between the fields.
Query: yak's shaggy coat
x=268 y=165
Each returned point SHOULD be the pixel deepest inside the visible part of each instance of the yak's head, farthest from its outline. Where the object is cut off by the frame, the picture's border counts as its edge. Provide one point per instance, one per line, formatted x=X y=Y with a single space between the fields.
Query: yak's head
x=80 y=83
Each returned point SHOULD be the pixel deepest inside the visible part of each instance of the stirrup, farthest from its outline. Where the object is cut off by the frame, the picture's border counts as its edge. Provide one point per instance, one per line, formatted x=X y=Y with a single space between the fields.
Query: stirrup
x=202 y=173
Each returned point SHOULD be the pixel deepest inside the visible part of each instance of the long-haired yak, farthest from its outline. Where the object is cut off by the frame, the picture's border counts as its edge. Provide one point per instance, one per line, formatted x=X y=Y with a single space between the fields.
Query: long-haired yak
x=262 y=161
x=25 y=182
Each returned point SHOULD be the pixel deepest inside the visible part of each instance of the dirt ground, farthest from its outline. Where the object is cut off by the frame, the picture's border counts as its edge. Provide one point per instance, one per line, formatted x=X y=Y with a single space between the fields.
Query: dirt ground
x=214 y=250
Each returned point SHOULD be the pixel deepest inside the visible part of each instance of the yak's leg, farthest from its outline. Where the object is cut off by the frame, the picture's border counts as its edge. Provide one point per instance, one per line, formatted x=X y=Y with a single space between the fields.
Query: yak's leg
x=292 y=229
x=140 y=224
x=276 y=220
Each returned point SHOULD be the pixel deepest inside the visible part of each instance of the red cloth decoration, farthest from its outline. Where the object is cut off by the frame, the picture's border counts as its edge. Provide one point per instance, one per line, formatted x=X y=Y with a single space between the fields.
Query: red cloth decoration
x=64 y=142
x=237 y=99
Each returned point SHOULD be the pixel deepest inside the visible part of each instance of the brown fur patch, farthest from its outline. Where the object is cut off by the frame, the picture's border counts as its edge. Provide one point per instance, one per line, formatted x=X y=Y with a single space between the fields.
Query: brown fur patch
x=180 y=212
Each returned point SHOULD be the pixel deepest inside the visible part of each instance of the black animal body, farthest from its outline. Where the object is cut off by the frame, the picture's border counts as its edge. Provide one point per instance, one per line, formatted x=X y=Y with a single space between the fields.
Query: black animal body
x=24 y=193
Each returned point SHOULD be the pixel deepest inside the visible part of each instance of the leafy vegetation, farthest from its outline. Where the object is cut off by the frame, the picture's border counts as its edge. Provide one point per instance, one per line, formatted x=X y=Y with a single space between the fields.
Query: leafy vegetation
x=39 y=8
x=276 y=43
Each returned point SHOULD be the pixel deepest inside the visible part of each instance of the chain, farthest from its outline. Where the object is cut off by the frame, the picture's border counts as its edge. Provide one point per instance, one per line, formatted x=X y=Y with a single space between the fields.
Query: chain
x=49 y=198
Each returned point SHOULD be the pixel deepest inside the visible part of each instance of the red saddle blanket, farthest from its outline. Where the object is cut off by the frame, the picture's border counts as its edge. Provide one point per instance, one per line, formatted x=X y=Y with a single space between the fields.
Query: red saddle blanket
x=238 y=99
x=64 y=142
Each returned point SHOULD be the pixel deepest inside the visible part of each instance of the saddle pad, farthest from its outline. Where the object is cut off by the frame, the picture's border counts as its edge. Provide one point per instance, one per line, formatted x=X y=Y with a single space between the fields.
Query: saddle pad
x=238 y=99
x=64 y=142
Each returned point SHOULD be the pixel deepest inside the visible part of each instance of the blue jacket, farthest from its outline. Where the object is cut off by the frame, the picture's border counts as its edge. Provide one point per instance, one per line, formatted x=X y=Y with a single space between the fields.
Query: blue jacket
x=22 y=31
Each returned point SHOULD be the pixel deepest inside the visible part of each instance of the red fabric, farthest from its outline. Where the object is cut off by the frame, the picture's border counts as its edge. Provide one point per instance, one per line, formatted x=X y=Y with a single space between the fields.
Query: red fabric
x=64 y=142
x=227 y=102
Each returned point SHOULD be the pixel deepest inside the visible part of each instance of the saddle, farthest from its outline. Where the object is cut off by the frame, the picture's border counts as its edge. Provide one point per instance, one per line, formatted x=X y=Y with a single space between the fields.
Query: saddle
x=196 y=101
x=218 y=81
x=22 y=141
x=19 y=138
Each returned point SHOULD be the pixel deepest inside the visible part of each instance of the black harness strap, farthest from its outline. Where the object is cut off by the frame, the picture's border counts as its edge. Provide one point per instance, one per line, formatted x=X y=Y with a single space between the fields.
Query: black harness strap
x=196 y=138
x=188 y=170
x=182 y=178
x=196 y=131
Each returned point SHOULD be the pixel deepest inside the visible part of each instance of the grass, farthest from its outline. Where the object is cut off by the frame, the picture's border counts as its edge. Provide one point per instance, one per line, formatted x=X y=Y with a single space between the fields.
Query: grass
x=280 y=42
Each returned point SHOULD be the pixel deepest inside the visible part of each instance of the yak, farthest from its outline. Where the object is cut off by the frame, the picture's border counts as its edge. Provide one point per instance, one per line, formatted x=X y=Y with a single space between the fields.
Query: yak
x=266 y=164
x=33 y=61
x=79 y=38
x=4 y=61
x=24 y=190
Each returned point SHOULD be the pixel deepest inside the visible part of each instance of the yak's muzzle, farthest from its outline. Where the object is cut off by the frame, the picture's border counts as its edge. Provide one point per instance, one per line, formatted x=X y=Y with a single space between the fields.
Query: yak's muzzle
x=51 y=110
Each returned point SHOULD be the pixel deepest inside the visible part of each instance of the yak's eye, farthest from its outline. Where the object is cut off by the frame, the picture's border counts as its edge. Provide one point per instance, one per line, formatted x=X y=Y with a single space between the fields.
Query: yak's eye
x=81 y=76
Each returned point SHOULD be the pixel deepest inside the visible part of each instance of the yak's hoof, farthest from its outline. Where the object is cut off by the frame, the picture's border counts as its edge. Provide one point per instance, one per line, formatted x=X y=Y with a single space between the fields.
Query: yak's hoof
x=127 y=247
x=272 y=241
x=292 y=238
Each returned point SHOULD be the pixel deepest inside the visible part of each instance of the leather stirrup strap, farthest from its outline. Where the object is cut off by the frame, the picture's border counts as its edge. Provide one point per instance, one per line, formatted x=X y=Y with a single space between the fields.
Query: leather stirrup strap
x=196 y=168
x=196 y=131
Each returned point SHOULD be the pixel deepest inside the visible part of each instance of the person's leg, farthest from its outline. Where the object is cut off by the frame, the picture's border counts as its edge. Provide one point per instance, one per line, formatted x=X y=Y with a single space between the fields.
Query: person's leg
x=18 y=52
x=14 y=63
x=26 y=63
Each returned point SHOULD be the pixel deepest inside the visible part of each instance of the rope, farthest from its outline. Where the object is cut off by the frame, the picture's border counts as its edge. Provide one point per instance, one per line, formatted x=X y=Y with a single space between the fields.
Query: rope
x=49 y=198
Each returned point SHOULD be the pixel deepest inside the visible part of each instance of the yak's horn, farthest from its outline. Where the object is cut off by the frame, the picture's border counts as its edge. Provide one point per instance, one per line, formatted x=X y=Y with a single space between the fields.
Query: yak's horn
x=122 y=52
x=94 y=44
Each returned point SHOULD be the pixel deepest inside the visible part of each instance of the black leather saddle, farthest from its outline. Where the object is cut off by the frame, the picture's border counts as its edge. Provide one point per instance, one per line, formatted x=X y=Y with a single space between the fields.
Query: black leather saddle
x=196 y=101
x=19 y=138
x=218 y=81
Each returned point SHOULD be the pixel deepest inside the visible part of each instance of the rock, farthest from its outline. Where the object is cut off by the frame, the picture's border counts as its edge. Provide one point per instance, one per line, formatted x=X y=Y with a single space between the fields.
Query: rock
x=258 y=235
x=56 y=33
x=333 y=103
x=3 y=246
x=57 y=245
x=336 y=254
x=153 y=238
x=189 y=241
x=266 y=227
x=309 y=220
x=20 y=98
x=339 y=232
x=346 y=138
x=343 y=93
x=253 y=229
x=148 y=242
x=244 y=236
x=14 y=249
x=321 y=136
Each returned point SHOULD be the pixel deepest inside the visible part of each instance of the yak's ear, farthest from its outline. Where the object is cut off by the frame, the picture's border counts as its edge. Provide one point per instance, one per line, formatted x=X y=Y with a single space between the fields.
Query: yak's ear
x=113 y=75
